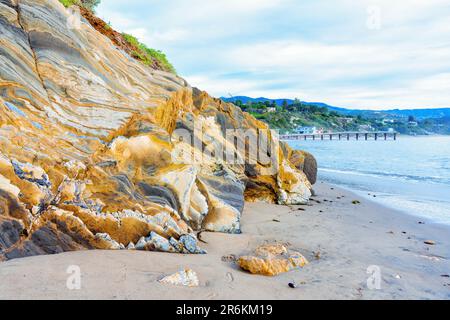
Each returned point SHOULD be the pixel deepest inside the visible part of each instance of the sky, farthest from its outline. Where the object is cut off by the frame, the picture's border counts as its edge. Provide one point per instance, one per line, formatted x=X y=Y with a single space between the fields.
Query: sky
x=362 y=54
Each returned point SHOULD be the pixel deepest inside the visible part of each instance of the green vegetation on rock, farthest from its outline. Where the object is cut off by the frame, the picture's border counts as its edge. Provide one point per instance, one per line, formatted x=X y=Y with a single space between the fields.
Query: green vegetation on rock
x=68 y=3
x=148 y=55
x=88 y=4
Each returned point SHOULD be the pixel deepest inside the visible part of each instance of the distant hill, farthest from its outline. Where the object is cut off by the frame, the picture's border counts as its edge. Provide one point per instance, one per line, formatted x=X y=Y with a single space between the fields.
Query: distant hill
x=416 y=113
x=420 y=113
x=246 y=100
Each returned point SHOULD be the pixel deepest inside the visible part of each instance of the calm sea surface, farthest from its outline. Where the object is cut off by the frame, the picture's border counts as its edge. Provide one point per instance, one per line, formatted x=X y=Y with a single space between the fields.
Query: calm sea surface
x=411 y=174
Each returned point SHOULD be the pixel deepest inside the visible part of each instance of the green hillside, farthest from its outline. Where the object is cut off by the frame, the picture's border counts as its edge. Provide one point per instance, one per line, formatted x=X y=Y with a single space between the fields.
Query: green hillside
x=289 y=118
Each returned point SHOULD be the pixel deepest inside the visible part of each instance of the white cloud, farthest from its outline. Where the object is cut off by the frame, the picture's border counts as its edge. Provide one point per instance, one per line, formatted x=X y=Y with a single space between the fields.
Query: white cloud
x=313 y=49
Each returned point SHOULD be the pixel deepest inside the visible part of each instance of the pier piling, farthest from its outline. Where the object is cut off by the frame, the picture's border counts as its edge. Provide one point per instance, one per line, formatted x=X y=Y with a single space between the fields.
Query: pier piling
x=340 y=135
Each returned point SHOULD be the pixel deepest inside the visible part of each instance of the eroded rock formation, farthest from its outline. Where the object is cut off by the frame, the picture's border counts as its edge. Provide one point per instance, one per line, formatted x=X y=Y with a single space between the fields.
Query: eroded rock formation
x=93 y=146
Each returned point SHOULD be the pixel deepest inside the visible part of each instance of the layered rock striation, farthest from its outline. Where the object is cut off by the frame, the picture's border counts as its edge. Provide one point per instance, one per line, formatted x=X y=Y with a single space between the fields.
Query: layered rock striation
x=98 y=151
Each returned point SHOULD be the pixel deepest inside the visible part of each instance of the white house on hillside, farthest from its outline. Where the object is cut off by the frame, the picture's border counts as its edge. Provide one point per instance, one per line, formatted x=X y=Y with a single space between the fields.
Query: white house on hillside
x=306 y=130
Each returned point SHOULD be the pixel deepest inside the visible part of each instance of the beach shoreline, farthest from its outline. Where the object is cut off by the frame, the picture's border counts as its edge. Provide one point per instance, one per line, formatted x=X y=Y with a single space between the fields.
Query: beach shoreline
x=341 y=238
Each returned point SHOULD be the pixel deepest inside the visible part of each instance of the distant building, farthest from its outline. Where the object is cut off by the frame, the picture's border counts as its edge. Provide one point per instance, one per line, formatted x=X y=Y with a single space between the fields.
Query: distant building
x=365 y=127
x=306 y=130
x=271 y=109
x=347 y=120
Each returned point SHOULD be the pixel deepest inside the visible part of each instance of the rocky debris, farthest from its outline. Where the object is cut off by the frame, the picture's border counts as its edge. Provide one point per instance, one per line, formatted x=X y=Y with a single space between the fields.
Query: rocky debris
x=104 y=237
x=271 y=260
x=187 y=243
x=356 y=202
x=430 y=242
x=157 y=243
x=90 y=155
x=140 y=245
x=186 y=278
x=229 y=258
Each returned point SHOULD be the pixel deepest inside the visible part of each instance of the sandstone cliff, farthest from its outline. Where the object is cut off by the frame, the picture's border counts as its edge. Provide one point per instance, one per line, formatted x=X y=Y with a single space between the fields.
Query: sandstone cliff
x=91 y=146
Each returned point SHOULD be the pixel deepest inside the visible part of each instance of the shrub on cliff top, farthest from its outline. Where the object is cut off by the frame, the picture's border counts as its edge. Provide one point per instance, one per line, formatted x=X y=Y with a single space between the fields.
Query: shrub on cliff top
x=68 y=3
x=151 y=57
x=88 y=4
x=148 y=55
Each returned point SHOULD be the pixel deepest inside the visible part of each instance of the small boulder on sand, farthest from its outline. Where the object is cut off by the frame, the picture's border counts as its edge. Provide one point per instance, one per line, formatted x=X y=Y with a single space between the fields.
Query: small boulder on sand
x=271 y=260
x=187 y=278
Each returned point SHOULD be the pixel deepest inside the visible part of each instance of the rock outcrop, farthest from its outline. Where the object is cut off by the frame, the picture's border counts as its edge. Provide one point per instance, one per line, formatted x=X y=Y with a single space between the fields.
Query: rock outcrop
x=98 y=151
x=304 y=161
x=271 y=260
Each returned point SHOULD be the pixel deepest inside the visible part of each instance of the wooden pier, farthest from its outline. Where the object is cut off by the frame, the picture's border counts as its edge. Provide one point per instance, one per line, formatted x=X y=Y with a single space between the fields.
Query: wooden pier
x=380 y=135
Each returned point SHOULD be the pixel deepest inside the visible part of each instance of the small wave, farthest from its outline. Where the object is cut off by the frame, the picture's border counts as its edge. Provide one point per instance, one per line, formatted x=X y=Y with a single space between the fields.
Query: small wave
x=436 y=211
x=432 y=179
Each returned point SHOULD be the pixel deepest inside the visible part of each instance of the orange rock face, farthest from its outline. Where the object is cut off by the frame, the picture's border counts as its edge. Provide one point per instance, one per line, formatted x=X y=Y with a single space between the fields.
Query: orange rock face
x=100 y=151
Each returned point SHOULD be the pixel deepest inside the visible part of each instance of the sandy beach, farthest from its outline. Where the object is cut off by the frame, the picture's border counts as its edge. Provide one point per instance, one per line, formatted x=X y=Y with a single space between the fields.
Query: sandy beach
x=340 y=239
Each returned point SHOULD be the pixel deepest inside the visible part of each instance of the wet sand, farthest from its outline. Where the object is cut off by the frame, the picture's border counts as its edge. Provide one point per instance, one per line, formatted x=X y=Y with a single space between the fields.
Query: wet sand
x=341 y=240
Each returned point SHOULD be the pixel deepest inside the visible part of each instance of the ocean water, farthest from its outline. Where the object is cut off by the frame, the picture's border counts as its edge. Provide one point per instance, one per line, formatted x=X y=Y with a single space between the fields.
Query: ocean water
x=411 y=174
